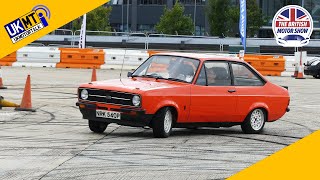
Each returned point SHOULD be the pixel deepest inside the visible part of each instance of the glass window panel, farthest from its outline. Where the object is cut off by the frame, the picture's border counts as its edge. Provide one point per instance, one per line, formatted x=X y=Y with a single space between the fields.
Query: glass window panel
x=245 y=77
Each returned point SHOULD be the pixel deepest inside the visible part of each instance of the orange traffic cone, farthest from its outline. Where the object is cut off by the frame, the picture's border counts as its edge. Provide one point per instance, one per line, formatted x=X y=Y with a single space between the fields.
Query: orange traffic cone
x=1 y=83
x=300 y=73
x=296 y=70
x=26 y=99
x=94 y=75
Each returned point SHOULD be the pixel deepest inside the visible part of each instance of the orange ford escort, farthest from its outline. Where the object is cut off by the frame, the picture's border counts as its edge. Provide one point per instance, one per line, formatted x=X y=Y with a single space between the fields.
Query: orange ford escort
x=185 y=90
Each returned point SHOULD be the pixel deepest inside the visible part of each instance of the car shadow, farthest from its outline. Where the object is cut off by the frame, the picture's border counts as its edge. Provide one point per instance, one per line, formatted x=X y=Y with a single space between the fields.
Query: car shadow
x=178 y=132
x=204 y=131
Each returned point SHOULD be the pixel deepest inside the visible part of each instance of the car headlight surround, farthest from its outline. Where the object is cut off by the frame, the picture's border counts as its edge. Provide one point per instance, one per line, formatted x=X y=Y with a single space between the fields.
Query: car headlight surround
x=136 y=100
x=84 y=94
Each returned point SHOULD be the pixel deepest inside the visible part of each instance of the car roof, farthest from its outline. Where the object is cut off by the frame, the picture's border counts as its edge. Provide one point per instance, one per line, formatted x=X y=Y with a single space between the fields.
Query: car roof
x=203 y=56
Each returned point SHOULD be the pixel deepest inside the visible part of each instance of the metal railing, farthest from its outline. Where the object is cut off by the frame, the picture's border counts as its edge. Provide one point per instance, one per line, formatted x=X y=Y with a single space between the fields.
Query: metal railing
x=36 y=44
x=62 y=32
x=128 y=36
x=149 y=38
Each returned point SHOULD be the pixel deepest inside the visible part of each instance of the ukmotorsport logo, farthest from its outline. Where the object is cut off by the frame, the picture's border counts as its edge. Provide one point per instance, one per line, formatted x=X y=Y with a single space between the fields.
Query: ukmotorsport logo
x=28 y=24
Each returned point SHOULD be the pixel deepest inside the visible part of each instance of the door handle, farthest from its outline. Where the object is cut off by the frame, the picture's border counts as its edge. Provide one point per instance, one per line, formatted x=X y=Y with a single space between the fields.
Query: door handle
x=231 y=90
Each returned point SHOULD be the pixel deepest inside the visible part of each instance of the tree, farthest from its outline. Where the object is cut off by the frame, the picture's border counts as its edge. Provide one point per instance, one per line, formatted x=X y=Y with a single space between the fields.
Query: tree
x=174 y=21
x=218 y=16
x=255 y=17
x=97 y=20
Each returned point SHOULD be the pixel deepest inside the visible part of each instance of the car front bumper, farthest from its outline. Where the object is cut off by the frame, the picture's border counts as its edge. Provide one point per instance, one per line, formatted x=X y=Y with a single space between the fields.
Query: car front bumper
x=129 y=117
x=311 y=70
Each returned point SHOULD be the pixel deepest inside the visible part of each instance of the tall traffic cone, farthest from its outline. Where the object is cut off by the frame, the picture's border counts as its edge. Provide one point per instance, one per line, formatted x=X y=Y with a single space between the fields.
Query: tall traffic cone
x=4 y=103
x=300 y=71
x=26 y=99
x=1 y=83
x=296 y=70
x=94 y=75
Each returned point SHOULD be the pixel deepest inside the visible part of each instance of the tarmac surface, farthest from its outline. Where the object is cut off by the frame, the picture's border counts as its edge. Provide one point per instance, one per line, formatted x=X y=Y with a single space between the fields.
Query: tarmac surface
x=56 y=143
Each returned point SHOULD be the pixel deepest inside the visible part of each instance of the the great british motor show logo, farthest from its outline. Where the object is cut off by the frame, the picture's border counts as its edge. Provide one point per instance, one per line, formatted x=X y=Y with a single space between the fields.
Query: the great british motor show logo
x=292 y=26
x=28 y=24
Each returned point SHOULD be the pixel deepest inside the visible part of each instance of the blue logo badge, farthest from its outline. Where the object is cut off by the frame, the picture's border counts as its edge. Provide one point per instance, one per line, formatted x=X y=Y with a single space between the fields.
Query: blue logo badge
x=28 y=24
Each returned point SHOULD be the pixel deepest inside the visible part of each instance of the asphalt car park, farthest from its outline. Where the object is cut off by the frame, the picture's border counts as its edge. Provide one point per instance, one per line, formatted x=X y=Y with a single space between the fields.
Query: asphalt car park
x=55 y=143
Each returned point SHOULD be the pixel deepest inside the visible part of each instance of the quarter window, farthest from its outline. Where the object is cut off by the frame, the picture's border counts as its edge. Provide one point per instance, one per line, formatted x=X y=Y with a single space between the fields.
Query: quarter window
x=244 y=77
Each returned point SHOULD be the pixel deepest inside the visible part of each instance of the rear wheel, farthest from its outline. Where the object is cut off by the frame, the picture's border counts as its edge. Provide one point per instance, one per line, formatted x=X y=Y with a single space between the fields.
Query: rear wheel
x=162 y=123
x=97 y=126
x=254 y=122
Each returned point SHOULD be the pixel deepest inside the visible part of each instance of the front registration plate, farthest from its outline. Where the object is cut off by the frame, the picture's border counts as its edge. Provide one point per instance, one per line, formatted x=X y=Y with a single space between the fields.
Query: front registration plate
x=108 y=114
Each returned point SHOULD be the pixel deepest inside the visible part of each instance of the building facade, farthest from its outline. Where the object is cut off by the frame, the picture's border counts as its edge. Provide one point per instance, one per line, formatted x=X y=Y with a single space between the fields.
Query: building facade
x=270 y=7
x=143 y=15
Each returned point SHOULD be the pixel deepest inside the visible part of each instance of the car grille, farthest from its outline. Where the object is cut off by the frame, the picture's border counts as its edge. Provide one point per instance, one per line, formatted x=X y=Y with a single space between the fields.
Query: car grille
x=109 y=97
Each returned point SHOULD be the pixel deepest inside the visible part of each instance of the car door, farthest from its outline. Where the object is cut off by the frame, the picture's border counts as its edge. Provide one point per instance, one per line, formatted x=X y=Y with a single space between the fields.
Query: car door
x=213 y=101
x=249 y=88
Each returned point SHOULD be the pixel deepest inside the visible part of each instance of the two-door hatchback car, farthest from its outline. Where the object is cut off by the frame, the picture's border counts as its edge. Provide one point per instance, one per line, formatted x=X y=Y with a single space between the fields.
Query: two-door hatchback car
x=184 y=90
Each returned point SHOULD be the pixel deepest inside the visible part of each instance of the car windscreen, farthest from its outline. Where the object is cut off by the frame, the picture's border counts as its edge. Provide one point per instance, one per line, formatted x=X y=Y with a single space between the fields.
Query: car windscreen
x=168 y=67
x=313 y=62
x=316 y=62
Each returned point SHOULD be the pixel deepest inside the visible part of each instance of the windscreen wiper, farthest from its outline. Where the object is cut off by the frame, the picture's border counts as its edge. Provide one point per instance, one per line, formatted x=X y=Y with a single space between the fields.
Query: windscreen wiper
x=160 y=77
x=149 y=76
x=152 y=76
x=179 y=80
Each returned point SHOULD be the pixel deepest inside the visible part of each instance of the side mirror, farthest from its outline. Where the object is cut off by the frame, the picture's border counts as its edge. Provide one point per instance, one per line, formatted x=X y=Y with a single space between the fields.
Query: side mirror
x=129 y=74
x=304 y=64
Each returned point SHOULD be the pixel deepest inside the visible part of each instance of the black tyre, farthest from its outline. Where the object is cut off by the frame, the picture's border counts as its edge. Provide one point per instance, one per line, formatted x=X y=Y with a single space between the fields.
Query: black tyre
x=162 y=123
x=254 y=122
x=97 y=127
x=317 y=76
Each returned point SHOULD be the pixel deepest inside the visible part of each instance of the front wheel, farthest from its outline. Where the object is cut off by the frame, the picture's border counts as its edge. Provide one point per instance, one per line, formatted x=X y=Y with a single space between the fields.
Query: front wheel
x=97 y=127
x=317 y=76
x=254 y=122
x=162 y=123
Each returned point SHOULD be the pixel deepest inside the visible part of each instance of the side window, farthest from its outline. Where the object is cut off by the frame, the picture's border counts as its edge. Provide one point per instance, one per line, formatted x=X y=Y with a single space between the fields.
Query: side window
x=218 y=74
x=244 y=77
x=214 y=74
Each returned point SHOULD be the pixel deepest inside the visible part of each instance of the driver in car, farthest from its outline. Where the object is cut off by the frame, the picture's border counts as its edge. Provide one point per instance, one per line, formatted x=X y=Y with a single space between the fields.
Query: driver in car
x=211 y=76
x=181 y=71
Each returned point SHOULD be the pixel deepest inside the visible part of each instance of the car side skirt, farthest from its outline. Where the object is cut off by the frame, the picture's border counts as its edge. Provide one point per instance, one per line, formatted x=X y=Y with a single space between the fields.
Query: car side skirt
x=206 y=124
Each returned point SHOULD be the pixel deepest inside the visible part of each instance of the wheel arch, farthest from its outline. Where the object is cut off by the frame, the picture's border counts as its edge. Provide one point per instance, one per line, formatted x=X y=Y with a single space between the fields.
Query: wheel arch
x=262 y=106
x=172 y=107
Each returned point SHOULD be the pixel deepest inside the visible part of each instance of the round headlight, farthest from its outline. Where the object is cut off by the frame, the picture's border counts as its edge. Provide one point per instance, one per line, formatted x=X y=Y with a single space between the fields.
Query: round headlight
x=136 y=100
x=84 y=94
